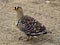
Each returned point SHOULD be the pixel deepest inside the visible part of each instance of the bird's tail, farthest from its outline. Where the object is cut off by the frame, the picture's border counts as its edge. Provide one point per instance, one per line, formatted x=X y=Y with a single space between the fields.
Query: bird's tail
x=40 y=33
x=44 y=32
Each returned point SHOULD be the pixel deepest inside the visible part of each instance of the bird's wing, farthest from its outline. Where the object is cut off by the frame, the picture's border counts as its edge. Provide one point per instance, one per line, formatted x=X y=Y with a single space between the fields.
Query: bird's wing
x=32 y=26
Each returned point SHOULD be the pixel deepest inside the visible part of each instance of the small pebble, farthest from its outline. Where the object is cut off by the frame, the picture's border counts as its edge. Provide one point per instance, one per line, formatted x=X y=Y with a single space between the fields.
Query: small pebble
x=47 y=1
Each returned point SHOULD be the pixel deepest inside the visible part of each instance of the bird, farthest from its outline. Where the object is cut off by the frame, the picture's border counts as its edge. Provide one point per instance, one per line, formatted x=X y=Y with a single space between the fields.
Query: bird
x=30 y=26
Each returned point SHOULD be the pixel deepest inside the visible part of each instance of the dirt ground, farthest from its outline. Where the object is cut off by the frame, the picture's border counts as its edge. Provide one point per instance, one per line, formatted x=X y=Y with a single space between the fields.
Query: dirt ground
x=45 y=11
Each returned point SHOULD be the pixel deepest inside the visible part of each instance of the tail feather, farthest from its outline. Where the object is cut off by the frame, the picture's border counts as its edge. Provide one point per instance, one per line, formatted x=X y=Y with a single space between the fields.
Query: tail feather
x=44 y=32
x=40 y=33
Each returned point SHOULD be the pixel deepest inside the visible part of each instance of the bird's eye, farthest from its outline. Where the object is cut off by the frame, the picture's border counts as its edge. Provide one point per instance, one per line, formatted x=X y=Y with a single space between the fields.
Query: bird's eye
x=15 y=8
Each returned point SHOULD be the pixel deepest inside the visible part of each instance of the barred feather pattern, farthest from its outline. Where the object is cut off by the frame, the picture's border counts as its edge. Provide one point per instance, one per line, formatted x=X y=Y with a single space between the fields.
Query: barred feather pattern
x=31 y=26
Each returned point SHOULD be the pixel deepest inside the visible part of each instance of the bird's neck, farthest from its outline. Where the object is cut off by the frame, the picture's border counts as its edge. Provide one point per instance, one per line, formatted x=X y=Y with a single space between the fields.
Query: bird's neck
x=19 y=15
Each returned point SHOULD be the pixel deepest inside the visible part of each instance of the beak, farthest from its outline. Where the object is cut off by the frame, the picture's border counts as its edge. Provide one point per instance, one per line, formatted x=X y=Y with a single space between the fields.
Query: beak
x=14 y=8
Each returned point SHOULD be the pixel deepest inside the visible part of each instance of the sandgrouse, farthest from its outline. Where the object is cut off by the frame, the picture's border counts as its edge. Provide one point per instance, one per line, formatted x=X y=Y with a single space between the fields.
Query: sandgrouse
x=29 y=25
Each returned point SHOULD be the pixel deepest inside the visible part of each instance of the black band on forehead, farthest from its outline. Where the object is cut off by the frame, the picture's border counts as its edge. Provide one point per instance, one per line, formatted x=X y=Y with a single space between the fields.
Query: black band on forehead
x=19 y=7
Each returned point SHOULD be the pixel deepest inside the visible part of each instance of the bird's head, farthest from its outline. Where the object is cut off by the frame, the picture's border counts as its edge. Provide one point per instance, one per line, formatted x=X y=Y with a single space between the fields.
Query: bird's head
x=18 y=9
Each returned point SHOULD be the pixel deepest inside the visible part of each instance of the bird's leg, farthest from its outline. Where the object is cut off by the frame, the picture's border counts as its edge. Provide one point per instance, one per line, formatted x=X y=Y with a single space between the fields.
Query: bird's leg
x=20 y=38
x=26 y=39
x=29 y=38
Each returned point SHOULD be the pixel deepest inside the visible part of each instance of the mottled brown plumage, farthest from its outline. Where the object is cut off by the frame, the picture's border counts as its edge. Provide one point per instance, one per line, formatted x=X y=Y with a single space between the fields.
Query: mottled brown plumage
x=29 y=25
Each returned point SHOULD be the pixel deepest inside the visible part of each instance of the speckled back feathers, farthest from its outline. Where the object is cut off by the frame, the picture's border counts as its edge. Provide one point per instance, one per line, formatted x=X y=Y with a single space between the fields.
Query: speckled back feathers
x=31 y=26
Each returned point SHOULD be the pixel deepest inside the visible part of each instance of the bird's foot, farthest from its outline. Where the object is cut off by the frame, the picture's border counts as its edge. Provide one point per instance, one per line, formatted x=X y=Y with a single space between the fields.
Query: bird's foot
x=28 y=38
x=25 y=39
x=20 y=38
